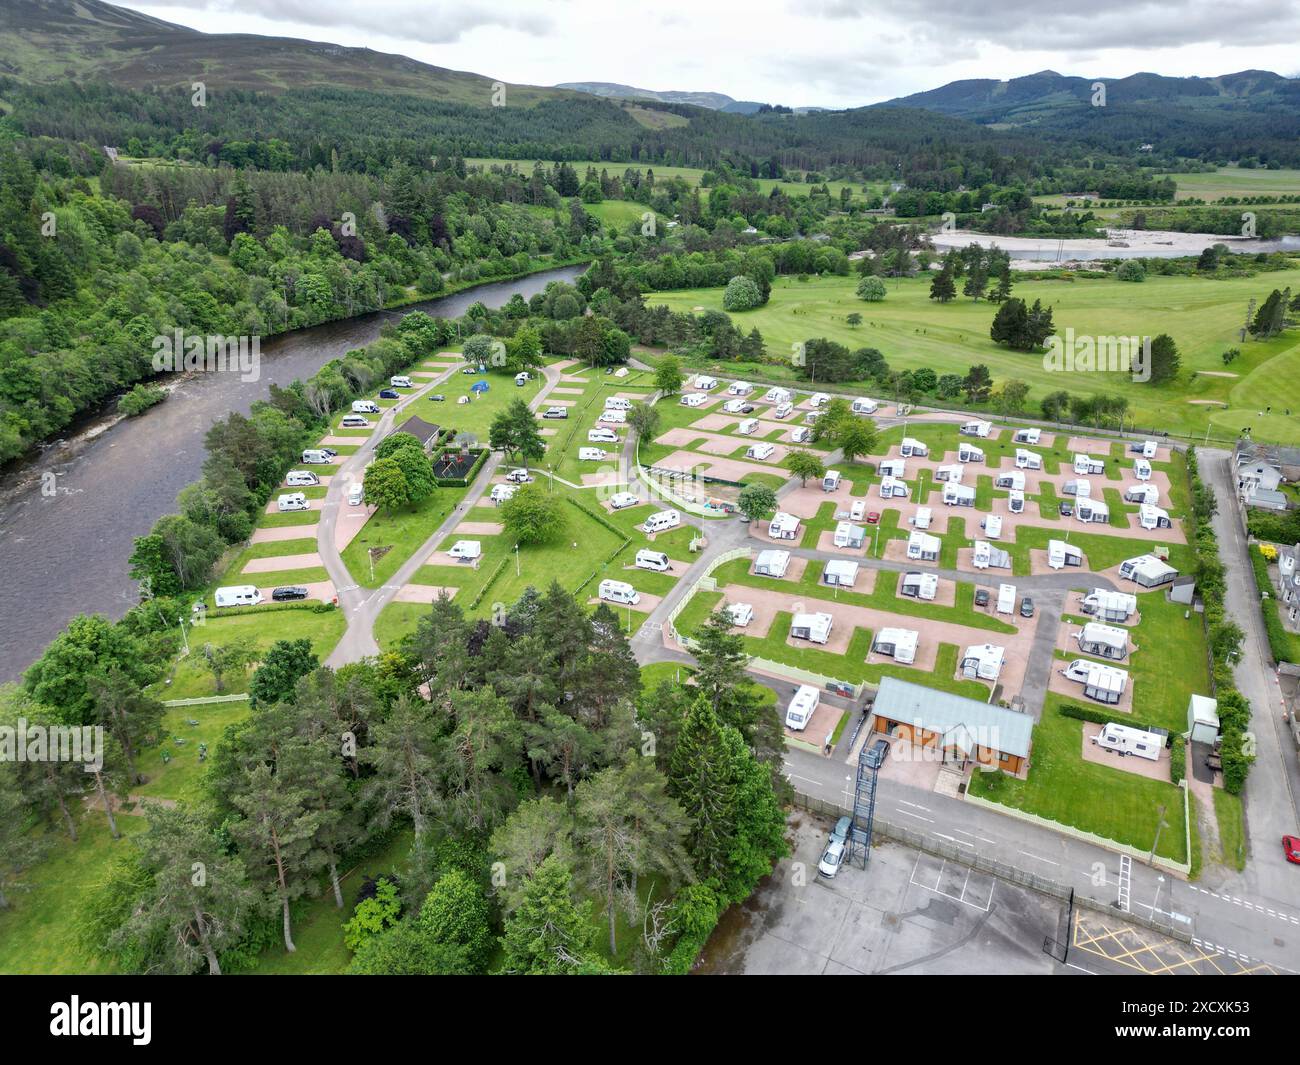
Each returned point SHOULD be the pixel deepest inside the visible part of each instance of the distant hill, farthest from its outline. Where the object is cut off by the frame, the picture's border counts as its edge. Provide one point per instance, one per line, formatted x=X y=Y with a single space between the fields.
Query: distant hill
x=48 y=40
x=714 y=101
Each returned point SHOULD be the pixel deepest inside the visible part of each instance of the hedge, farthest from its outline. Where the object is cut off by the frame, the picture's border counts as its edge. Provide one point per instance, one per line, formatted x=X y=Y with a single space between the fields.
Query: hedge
x=1178 y=760
x=1098 y=717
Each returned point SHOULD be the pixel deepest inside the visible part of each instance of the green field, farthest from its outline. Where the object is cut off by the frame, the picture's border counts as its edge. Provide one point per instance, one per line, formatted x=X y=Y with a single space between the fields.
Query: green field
x=1202 y=315
x=1234 y=181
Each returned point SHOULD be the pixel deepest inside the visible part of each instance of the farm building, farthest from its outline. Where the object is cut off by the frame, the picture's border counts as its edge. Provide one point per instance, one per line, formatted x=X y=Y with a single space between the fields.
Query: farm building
x=985 y=556
x=1141 y=493
x=899 y=644
x=958 y=495
x=783 y=526
x=1150 y=517
x=849 y=535
x=892 y=468
x=1101 y=683
x=892 y=487
x=951 y=474
x=920 y=585
x=911 y=446
x=813 y=627
x=1012 y=479
x=1147 y=570
x=1027 y=436
x=1061 y=554
x=1105 y=641
x=976 y=428
x=965 y=730
x=923 y=547
x=840 y=572
x=983 y=661
x=1016 y=501
x=772 y=563
x=1028 y=460
x=1202 y=719
x=1086 y=464
x=1109 y=606
x=1093 y=510
x=970 y=453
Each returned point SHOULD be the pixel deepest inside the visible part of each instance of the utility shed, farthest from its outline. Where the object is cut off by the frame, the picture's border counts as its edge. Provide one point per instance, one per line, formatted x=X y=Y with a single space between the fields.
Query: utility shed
x=1202 y=719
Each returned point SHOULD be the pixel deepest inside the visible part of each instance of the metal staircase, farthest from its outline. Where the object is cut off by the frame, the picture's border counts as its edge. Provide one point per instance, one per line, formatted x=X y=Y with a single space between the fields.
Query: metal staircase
x=864 y=806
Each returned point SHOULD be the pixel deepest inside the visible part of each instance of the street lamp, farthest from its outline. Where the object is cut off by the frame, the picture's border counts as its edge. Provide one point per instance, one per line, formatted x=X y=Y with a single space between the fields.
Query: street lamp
x=516 y=559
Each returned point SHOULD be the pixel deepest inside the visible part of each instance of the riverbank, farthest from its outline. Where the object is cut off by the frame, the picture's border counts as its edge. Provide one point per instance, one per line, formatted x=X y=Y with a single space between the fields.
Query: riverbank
x=1029 y=253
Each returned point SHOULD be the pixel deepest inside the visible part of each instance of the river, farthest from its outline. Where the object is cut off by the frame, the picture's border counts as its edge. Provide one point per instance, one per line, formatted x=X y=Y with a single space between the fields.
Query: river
x=69 y=512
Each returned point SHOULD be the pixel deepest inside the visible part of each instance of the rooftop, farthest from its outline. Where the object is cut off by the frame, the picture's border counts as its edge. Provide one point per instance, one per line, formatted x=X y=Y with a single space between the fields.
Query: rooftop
x=942 y=712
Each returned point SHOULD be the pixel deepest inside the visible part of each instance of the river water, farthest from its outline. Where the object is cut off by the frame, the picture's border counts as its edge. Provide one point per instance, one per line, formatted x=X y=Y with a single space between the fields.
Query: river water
x=69 y=512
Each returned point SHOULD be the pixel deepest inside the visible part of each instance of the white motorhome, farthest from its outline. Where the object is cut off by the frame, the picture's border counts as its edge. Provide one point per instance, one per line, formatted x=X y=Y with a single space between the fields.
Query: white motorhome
x=356 y=494
x=1142 y=469
x=365 y=406
x=831 y=481
x=1060 y=554
x=1012 y=479
x=800 y=434
x=863 y=405
x=623 y=500
x=694 y=399
x=1028 y=460
x=617 y=403
x=466 y=550
x=759 y=451
x=292 y=501
x=613 y=417
x=602 y=435
x=783 y=410
x=1006 y=599
x=958 y=495
x=1027 y=436
x=522 y=378
x=664 y=519
x=591 y=454
x=618 y=592
x=300 y=478
x=970 y=453
x=354 y=421
x=1086 y=464
x=1150 y=517
x=892 y=487
x=783 y=526
x=983 y=661
x=911 y=446
x=399 y=381
x=898 y=644
x=801 y=708
x=315 y=457
x=238 y=595
x=1124 y=739
x=655 y=560
x=1101 y=683
x=976 y=428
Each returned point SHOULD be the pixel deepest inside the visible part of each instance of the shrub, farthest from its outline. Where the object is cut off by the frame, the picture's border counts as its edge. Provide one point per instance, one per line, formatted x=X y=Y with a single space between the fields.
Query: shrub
x=373 y=914
x=139 y=400
x=1132 y=270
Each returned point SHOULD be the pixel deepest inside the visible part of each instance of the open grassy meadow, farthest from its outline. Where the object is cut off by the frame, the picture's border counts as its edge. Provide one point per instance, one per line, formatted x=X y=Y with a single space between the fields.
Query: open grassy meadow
x=1202 y=315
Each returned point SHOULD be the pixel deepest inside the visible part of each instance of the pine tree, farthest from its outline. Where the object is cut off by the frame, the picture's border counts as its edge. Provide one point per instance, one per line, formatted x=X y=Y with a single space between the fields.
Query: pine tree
x=402 y=754
x=943 y=287
x=548 y=933
x=702 y=779
x=1003 y=290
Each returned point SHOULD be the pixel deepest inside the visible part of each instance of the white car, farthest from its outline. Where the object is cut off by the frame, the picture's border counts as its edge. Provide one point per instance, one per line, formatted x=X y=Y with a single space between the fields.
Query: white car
x=832 y=859
x=519 y=477
x=622 y=500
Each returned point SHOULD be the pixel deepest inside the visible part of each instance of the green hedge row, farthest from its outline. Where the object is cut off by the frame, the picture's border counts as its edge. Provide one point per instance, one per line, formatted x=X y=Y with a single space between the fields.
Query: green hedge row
x=1098 y=717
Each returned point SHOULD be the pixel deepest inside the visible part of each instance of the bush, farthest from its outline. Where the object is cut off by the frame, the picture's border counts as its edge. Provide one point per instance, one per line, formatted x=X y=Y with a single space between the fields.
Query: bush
x=139 y=400
x=373 y=915
x=1132 y=270
x=741 y=294
x=1178 y=760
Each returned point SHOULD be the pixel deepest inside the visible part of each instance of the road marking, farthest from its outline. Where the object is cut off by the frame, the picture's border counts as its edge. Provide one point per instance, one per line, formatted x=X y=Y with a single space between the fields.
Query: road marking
x=927 y=820
x=952 y=839
x=917 y=805
x=1037 y=857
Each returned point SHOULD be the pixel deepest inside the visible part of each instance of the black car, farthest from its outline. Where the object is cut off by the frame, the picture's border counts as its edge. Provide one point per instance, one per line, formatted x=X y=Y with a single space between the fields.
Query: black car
x=981 y=597
x=879 y=752
x=1067 y=509
x=1026 y=607
x=748 y=408
x=292 y=591
x=389 y=393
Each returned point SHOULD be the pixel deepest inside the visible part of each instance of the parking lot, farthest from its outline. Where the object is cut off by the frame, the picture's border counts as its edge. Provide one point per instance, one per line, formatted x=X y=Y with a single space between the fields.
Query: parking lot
x=908 y=912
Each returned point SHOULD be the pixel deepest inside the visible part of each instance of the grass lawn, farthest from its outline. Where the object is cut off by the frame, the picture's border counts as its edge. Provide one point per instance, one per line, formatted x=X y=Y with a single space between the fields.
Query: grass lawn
x=395 y=534
x=1232 y=829
x=189 y=679
x=1203 y=316
x=1095 y=798
x=475 y=416
x=181 y=778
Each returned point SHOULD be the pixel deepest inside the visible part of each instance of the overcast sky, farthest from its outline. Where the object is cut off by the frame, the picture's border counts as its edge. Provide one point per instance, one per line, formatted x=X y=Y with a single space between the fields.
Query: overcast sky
x=832 y=53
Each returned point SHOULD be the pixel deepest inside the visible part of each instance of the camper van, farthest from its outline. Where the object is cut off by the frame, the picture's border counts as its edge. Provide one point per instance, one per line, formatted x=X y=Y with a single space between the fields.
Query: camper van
x=800 y=710
x=1124 y=739
x=300 y=478
x=992 y=526
x=601 y=435
x=614 y=417
x=365 y=406
x=501 y=492
x=622 y=500
x=783 y=410
x=1086 y=464
x=315 y=457
x=831 y=481
x=778 y=395
x=292 y=501
x=863 y=405
x=238 y=595
x=1027 y=436
x=664 y=519
x=618 y=403
x=618 y=592
x=400 y=381
x=694 y=399
x=558 y=413
x=466 y=550
x=355 y=421
x=655 y=560
x=748 y=427
x=356 y=494
x=759 y=451
x=591 y=454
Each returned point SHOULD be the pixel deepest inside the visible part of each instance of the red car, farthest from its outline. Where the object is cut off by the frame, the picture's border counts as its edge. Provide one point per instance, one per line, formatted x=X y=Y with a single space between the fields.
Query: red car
x=873 y=518
x=1291 y=848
